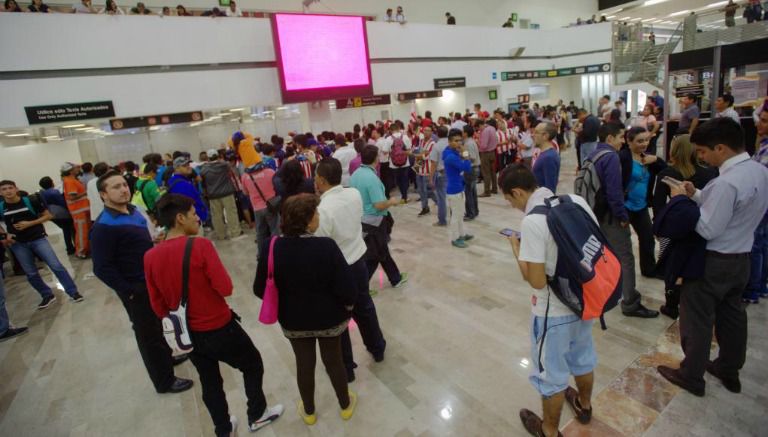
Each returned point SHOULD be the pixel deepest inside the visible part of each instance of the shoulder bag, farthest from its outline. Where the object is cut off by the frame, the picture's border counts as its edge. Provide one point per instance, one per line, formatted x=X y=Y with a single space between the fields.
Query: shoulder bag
x=175 y=327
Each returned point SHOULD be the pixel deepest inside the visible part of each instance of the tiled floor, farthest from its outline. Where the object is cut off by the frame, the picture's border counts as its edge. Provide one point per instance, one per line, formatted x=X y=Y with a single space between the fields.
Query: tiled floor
x=456 y=362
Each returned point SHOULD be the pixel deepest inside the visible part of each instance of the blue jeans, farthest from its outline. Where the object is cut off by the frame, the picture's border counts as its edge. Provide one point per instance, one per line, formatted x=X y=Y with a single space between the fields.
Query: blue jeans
x=4 y=322
x=759 y=269
x=440 y=193
x=266 y=226
x=401 y=179
x=425 y=191
x=470 y=192
x=25 y=255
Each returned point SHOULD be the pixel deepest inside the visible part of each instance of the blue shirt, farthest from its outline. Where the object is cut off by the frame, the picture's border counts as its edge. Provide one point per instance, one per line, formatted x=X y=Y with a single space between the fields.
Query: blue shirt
x=732 y=205
x=52 y=196
x=159 y=175
x=454 y=167
x=371 y=189
x=637 y=192
x=547 y=169
x=186 y=188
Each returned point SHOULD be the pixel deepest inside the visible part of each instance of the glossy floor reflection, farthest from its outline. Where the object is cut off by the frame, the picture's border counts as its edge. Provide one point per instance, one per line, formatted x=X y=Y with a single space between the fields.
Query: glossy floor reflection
x=456 y=361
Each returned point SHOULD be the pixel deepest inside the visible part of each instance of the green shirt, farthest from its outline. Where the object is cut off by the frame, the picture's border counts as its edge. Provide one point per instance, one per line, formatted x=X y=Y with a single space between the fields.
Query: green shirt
x=367 y=182
x=149 y=190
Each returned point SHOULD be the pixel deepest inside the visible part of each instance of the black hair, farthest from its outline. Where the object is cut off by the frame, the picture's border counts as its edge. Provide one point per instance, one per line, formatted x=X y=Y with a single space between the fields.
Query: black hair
x=150 y=168
x=330 y=170
x=469 y=130
x=454 y=133
x=492 y=122
x=297 y=212
x=691 y=96
x=517 y=176
x=442 y=132
x=719 y=131
x=87 y=167
x=292 y=176
x=267 y=149
x=101 y=182
x=634 y=132
x=7 y=182
x=368 y=154
x=171 y=205
x=46 y=182
x=100 y=168
x=301 y=140
x=130 y=166
x=727 y=98
x=609 y=129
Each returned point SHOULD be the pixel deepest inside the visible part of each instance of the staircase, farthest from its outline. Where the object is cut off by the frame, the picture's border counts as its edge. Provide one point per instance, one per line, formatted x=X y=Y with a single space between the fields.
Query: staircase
x=643 y=63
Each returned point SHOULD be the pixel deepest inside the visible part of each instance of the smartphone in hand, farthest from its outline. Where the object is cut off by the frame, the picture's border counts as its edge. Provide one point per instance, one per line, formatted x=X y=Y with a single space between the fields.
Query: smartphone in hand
x=672 y=182
x=509 y=233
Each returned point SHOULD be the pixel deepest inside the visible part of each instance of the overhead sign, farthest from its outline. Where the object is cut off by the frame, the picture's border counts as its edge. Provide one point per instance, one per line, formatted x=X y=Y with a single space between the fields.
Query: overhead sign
x=450 y=82
x=523 y=98
x=403 y=97
x=155 y=120
x=493 y=95
x=69 y=112
x=513 y=17
x=697 y=90
x=560 y=72
x=359 y=102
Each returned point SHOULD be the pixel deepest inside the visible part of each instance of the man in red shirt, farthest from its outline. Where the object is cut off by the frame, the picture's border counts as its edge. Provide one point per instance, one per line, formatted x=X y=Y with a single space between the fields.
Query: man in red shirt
x=214 y=329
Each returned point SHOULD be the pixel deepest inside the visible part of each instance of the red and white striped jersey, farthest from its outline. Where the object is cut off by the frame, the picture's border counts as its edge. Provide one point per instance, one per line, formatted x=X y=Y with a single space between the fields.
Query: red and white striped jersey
x=504 y=135
x=426 y=164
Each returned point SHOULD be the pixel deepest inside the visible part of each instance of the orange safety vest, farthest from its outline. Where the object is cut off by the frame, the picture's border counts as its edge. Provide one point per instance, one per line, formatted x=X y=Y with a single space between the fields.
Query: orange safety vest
x=73 y=186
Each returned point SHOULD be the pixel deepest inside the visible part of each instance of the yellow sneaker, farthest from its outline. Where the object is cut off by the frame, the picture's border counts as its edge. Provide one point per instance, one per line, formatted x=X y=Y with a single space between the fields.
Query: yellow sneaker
x=347 y=413
x=309 y=419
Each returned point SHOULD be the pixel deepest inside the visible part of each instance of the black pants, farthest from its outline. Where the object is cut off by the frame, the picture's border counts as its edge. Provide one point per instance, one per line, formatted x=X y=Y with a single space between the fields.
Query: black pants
x=641 y=223
x=306 y=358
x=387 y=177
x=376 y=241
x=714 y=300
x=68 y=228
x=364 y=314
x=149 y=337
x=230 y=345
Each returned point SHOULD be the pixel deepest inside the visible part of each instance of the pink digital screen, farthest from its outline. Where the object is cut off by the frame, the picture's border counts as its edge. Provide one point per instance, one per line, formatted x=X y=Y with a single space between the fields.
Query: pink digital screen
x=321 y=57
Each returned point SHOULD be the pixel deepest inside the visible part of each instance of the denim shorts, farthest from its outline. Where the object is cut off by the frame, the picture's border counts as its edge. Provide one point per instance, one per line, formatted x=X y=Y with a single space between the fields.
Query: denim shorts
x=568 y=350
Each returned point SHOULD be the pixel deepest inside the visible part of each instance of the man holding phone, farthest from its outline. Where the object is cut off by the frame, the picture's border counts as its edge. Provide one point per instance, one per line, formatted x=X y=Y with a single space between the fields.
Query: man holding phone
x=457 y=161
x=731 y=206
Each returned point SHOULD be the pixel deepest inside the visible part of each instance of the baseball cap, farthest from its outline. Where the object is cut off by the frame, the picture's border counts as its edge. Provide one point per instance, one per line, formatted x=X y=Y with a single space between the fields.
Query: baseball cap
x=181 y=161
x=212 y=153
x=67 y=166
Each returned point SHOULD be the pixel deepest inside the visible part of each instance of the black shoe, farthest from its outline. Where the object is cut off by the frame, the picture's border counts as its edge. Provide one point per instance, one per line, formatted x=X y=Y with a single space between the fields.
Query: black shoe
x=641 y=312
x=733 y=385
x=76 y=298
x=673 y=376
x=350 y=375
x=672 y=313
x=46 y=302
x=424 y=212
x=180 y=359
x=13 y=332
x=378 y=357
x=179 y=385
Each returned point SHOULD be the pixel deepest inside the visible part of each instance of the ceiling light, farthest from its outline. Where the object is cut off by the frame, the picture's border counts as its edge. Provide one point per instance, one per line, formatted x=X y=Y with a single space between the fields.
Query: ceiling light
x=653 y=2
x=237 y=109
x=52 y=137
x=636 y=19
x=2 y=133
x=70 y=126
x=648 y=19
x=154 y=128
x=84 y=128
x=18 y=135
x=680 y=13
x=610 y=17
x=715 y=5
x=625 y=18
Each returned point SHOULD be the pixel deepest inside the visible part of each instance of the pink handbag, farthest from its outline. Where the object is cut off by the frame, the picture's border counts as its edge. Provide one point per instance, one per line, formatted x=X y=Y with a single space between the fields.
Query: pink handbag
x=268 y=313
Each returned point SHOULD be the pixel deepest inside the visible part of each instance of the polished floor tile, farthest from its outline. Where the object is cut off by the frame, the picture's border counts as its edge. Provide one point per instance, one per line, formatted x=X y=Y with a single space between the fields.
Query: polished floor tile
x=456 y=362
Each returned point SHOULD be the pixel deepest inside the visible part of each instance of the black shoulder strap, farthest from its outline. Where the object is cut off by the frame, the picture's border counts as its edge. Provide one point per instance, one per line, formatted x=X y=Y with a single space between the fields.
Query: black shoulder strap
x=185 y=270
x=250 y=175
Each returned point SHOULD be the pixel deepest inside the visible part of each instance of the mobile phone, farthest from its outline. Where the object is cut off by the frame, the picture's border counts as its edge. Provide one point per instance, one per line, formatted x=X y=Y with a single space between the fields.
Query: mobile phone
x=509 y=232
x=671 y=181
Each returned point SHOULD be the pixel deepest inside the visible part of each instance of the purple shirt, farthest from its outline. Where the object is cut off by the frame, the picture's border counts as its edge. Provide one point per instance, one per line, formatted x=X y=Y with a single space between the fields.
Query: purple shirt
x=488 y=139
x=355 y=163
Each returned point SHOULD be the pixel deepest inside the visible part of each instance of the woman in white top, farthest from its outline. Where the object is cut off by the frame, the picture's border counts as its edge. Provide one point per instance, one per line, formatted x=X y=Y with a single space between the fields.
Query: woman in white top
x=344 y=154
x=648 y=121
x=112 y=9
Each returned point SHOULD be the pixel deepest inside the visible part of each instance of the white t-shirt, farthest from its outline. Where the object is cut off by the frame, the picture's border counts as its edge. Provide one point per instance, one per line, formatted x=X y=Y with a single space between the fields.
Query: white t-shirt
x=458 y=124
x=386 y=145
x=341 y=212
x=237 y=12
x=345 y=155
x=97 y=205
x=731 y=113
x=80 y=8
x=384 y=148
x=538 y=246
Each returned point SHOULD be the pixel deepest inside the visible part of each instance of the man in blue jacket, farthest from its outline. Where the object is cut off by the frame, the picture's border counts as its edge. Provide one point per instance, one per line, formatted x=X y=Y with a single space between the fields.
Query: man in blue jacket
x=457 y=161
x=613 y=216
x=180 y=183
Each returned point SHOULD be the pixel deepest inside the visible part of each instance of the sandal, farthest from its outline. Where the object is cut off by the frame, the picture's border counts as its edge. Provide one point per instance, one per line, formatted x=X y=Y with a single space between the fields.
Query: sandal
x=582 y=414
x=532 y=423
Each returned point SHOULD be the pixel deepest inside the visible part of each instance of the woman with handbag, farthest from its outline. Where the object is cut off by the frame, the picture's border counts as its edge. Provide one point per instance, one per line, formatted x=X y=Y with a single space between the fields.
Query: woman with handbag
x=257 y=184
x=314 y=306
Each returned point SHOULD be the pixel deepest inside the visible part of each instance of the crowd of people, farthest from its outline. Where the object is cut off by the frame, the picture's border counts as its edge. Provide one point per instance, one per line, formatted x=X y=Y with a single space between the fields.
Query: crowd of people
x=320 y=204
x=110 y=7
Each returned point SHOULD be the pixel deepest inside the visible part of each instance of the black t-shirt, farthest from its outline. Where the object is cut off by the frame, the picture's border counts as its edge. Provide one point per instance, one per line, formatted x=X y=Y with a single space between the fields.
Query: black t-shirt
x=18 y=212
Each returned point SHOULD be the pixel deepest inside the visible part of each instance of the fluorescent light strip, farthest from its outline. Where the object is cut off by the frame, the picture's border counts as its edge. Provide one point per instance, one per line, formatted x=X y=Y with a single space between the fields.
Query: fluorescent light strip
x=680 y=13
x=648 y=19
x=610 y=17
x=18 y=135
x=653 y=2
x=636 y=19
x=84 y=128
x=237 y=109
x=72 y=126
x=2 y=133
x=625 y=18
x=715 y=5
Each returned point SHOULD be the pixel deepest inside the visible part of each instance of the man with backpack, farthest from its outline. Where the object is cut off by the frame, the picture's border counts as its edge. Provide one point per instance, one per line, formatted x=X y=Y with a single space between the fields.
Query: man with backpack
x=146 y=193
x=561 y=340
x=599 y=182
x=399 y=146
x=23 y=216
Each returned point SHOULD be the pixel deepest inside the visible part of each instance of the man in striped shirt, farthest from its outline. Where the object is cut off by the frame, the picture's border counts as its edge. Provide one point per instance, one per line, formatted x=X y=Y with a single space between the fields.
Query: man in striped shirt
x=423 y=169
x=504 y=147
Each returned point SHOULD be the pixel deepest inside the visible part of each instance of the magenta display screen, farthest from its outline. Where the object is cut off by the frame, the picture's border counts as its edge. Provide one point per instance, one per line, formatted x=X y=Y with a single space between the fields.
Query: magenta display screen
x=321 y=57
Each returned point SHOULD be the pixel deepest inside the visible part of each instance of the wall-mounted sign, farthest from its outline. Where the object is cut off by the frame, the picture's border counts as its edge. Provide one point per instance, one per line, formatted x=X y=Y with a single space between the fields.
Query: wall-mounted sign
x=513 y=17
x=403 y=97
x=450 y=82
x=359 y=102
x=69 y=112
x=697 y=90
x=560 y=72
x=523 y=98
x=155 y=120
x=493 y=95
x=494 y=75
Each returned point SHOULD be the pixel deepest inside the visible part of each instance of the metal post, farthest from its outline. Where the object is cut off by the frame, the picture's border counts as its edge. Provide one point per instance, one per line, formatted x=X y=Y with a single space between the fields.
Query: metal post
x=716 y=77
x=667 y=96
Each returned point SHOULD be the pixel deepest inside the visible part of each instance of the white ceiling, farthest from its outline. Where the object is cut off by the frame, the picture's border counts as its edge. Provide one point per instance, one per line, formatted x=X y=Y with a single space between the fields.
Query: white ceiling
x=708 y=11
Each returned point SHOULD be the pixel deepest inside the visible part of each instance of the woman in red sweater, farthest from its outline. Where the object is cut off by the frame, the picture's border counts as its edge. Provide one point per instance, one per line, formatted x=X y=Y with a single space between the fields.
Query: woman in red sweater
x=216 y=334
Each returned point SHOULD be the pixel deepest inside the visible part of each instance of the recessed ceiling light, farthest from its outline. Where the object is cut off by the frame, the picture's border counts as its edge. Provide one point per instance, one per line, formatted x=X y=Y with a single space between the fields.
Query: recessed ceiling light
x=71 y=126
x=610 y=17
x=625 y=18
x=84 y=128
x=648 y=19
x=237 y=109
x=2 y=133
x=636 y=19
x=680 y=13
x=653 y=2
x=715 y=5
x=18 y=135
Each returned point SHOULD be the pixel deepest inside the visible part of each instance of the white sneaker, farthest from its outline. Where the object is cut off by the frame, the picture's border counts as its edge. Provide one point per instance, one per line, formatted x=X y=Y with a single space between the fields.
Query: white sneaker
x=270 y=415
x=233 y=421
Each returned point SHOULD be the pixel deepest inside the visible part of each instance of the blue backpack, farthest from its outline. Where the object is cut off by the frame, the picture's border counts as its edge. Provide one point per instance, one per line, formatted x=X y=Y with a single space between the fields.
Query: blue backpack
x=588 y=275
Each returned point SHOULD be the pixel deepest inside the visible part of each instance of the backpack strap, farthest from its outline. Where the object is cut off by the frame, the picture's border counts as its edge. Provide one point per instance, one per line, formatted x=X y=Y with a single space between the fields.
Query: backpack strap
x=185 y=271
x=2 y=209
x=28 y=204
x=600 y=154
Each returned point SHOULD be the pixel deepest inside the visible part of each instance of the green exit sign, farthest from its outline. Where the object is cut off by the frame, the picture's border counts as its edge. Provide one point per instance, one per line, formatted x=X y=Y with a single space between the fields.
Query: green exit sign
x=493 y=95
x=514 y=17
